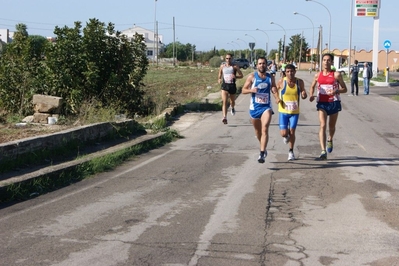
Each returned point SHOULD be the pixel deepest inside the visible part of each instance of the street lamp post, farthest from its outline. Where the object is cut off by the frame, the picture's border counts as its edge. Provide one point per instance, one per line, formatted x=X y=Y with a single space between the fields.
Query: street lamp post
x=239 y=46
x=268 y=40
x=329 y=34
x=350 y=38
x=252 y=58
x=238 y=39
x=234 y=48
x=285 y=33
x=311 y=51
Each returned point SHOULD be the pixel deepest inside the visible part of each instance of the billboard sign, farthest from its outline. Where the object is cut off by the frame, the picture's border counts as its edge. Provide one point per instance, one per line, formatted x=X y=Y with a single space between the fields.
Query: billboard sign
x=367 y=8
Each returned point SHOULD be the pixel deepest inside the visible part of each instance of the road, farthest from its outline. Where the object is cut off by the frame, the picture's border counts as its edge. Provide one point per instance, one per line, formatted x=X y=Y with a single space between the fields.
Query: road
x=205 y=200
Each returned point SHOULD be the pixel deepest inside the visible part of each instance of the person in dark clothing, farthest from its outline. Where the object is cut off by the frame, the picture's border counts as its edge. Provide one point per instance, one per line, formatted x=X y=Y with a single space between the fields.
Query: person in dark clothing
x=354 y=71
x=367 y=75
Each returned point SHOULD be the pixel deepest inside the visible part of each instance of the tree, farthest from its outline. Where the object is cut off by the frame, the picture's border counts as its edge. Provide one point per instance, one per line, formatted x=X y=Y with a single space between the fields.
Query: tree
x=183 y=52
x=297 y=48
x=21 y=31
x=99 y=66
x=20 y=71
x=272 y=54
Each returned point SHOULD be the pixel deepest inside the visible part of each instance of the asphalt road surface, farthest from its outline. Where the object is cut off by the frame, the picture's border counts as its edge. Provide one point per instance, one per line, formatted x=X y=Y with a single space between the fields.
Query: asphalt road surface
x=205 y=200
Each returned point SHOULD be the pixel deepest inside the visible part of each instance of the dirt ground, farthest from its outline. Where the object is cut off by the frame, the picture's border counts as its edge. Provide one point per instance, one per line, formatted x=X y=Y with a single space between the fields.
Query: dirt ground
x=11 y=132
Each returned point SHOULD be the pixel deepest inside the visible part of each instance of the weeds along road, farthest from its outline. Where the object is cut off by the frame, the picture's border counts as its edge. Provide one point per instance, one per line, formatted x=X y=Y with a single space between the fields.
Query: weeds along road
x=205 y=200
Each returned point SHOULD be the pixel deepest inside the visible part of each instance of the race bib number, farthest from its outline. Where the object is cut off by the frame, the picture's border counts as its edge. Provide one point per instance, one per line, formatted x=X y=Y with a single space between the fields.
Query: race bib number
x=228 y=78
x=327 y=89
x=262 y=98
x=291 y=106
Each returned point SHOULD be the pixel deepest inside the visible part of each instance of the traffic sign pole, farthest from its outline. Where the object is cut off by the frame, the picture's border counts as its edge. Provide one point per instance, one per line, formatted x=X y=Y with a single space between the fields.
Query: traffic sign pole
x=387 y=45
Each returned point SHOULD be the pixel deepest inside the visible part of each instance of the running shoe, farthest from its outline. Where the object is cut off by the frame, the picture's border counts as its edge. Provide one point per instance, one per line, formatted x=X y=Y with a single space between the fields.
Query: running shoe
x=329 y=146
x=262 y=157
x=224 y=120
x=291 y=156
x=286 y=139
x=323 y=155
x=233 y=111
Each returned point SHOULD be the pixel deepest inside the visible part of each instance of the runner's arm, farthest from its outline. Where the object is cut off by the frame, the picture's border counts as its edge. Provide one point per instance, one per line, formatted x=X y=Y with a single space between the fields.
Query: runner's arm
x=275 y=93
x=239 y=74
x=220 y=74
x=312 y=87
x=304 y=95
x=247 y=88
x=341 y=82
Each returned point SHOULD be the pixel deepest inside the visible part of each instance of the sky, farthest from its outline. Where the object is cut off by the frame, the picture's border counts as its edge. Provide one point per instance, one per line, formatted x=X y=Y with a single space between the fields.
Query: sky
x=210 y=24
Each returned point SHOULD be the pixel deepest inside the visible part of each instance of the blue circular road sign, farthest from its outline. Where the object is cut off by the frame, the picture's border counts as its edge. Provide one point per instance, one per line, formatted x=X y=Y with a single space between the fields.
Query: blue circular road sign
x=387 y=44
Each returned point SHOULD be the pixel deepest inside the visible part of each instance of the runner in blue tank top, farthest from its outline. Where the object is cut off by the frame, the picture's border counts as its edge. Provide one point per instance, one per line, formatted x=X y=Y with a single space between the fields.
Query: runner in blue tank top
x=260 y=84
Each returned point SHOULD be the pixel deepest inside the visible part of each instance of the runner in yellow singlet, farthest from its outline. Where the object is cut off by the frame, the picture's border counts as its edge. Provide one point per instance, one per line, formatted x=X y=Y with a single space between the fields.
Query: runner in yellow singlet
x=289 y=89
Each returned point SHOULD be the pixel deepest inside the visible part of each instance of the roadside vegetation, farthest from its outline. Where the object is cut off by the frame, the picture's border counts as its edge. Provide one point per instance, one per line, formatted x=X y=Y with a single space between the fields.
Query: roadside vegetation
x=102 y=76
x=181 y=87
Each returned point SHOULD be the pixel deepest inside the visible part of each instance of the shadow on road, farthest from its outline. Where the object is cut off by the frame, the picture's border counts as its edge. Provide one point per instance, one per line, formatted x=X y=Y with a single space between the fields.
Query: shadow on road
x=353 y=161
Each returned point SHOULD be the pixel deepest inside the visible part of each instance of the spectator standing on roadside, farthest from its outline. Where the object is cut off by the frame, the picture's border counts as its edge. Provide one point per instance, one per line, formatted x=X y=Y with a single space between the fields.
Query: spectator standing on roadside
x=354 y=71
x=367 y=75
x=260 y=84
x=228 y=73
x=289 y=89
x=329 y=87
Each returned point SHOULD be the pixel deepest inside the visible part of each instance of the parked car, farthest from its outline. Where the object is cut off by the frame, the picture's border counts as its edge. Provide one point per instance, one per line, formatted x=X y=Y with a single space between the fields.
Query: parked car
x=361 y=65
x=345 y=70
x=241 y=62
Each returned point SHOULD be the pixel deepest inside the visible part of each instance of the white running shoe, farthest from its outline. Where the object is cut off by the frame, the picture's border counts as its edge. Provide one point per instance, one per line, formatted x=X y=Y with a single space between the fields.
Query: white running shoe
x=233 y=111
x=286 y=139
x=291 y=156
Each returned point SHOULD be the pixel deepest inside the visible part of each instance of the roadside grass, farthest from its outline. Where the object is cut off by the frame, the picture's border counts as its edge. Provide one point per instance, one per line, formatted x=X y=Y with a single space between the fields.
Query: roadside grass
x=170 y=86
x=173 y=86
x=382 y=78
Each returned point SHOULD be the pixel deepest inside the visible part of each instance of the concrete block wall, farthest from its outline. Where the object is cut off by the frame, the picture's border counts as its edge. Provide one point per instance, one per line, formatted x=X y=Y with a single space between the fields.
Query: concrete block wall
x=13 y=149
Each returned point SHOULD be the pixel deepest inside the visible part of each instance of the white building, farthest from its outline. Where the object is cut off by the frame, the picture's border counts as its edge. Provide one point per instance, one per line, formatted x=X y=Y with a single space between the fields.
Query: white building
x=153 y=47
x=6 y=35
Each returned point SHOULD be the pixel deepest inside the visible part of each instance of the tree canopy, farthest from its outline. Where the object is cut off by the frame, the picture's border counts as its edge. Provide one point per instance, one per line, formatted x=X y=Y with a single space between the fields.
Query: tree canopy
x=95 y=64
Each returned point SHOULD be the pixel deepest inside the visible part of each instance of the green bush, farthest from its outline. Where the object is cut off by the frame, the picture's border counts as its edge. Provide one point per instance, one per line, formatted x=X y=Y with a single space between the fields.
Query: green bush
x=95 y=63
x=215 y=61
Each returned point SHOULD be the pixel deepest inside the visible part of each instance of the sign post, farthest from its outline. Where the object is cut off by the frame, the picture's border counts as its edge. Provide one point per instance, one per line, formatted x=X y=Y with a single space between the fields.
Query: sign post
x=252 y=46
x=387 y=45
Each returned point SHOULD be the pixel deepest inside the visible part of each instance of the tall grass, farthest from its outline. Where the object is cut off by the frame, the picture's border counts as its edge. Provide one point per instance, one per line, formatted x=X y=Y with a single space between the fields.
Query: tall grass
x=171 y=86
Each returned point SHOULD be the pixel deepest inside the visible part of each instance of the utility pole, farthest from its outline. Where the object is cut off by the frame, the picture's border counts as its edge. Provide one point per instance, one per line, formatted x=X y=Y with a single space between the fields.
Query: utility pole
x=157 y=40
x=320 y=46
x=174 y=41
x=300 y=52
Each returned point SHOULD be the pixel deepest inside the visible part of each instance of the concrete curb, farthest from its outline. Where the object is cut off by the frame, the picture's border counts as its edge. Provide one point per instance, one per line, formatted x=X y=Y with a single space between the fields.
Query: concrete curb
x=71 y=164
